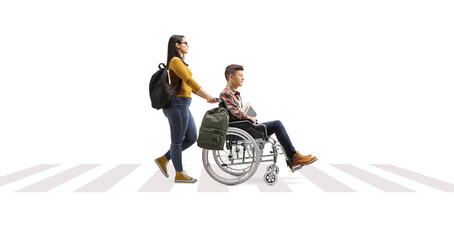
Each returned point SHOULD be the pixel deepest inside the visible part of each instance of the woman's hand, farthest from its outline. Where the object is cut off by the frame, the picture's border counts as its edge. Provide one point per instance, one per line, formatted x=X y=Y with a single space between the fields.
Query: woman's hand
x=203 y=94
x=211 y=99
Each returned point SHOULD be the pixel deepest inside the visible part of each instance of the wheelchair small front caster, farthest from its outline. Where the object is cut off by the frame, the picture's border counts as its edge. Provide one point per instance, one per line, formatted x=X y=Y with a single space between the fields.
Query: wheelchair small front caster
x=276 y=168
x=270 y=178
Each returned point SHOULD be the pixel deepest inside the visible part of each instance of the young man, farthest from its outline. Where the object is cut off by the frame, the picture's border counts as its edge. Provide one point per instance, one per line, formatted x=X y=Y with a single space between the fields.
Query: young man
x=232 y=101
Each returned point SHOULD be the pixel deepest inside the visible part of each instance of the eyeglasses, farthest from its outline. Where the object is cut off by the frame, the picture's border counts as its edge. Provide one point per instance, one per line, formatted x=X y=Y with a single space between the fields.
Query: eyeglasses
x=185 y=43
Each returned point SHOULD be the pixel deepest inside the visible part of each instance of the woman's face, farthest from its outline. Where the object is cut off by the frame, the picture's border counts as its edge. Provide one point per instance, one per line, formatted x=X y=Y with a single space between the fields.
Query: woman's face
x=183 y=47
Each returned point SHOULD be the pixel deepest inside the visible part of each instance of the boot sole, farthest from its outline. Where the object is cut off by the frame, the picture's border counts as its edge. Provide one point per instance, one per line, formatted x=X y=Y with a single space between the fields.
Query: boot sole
x=298 y=167
x=310 y=162
x=160 y=168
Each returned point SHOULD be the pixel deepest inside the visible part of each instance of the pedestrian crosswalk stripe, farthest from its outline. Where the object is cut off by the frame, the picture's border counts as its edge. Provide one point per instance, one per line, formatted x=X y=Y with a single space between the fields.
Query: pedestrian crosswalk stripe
x=25 y=173
x=208 y=184
x=426 y=180
x=324 y=181
x=109 y=179
x=372 y=179
x=53 y=181
x=324 y=177
x=158 y=182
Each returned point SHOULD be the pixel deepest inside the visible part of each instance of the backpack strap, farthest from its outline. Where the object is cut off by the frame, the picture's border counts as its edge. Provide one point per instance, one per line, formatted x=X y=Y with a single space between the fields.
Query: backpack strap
x=161 y=66
x=179 y=86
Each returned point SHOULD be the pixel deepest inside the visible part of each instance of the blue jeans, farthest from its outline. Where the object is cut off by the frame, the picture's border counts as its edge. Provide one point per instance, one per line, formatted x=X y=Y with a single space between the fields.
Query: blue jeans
x=276 y=127
x=183 y=132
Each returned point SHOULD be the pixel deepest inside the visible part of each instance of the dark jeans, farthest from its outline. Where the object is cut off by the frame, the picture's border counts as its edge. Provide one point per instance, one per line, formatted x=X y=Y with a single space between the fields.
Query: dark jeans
x=276 y=127
x=183 y=132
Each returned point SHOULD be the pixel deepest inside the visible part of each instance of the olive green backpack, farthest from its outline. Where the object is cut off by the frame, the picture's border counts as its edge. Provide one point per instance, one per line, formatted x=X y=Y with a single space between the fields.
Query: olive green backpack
x=213 y=129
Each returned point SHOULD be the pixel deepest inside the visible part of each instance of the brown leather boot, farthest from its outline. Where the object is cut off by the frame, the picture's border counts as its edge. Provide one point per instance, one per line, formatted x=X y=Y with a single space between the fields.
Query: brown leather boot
x=299 y=159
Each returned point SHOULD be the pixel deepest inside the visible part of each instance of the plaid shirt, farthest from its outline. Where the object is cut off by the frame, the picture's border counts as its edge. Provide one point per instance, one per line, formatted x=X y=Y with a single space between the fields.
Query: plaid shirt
x=233 y=104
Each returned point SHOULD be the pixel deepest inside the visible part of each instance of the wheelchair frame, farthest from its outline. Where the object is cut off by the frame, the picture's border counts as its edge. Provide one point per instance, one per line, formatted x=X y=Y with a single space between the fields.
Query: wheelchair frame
x=244 y=146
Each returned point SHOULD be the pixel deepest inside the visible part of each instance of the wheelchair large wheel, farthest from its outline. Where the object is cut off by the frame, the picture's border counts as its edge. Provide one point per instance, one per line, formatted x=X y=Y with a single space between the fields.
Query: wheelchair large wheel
x=237 y=162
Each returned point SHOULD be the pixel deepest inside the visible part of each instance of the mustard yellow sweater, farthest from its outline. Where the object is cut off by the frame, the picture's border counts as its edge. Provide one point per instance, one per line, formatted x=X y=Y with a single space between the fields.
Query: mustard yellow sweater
x=178 y=70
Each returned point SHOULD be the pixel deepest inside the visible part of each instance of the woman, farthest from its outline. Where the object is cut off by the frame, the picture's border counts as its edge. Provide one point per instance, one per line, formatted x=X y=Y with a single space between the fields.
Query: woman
x=183 y=131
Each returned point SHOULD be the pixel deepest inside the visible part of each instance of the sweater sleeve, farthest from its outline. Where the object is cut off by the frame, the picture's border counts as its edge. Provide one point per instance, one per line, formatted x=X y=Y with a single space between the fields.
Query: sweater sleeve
x=177 y=66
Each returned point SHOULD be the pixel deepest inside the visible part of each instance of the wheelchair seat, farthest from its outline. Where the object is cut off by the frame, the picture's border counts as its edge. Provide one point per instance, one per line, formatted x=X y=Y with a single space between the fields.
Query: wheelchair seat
x=256 y=131
x=249 y=127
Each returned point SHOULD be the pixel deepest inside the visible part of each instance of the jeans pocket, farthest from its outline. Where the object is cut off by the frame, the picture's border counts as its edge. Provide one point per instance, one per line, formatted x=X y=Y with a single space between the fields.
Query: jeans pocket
x=183 y=101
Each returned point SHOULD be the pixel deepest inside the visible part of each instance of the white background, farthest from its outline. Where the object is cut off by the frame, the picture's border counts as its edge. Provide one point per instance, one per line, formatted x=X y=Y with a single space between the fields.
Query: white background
x=354 y=82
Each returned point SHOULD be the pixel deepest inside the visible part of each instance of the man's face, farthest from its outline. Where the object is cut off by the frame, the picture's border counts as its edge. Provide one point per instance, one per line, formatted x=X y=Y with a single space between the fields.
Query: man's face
x=237 y=79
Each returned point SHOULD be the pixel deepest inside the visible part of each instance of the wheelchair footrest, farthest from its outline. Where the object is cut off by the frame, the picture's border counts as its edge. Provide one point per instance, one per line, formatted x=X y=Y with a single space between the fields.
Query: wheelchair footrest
x=295 y=168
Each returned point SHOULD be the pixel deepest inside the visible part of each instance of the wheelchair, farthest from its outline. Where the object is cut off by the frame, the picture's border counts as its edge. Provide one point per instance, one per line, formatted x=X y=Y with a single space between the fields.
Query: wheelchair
x=246 y=146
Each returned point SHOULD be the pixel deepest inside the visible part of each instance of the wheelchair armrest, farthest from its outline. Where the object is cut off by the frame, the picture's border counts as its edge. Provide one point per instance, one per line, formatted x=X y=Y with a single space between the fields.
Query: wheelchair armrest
x=250 y=127
x=242 y=121
x=264 y=127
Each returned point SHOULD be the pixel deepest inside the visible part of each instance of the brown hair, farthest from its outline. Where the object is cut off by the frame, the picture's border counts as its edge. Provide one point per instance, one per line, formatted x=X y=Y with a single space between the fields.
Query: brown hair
x=231 y=70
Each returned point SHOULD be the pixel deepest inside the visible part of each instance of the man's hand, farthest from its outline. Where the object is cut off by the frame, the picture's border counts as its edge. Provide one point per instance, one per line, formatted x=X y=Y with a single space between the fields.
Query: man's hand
x=254 y=120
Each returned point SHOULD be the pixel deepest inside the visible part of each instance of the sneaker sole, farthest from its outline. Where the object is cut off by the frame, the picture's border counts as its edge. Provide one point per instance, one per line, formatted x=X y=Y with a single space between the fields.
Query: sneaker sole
x=186 y=181
x=160 y=168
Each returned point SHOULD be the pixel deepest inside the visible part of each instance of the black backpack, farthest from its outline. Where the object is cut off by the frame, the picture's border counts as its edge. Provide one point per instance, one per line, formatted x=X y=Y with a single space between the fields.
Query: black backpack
x=161 y=92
